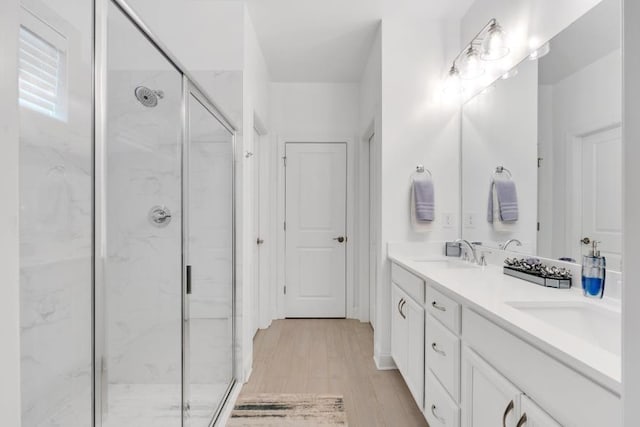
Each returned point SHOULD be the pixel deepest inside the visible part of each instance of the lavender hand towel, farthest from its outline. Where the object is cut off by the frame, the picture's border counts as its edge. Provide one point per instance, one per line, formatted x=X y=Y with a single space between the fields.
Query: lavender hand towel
x=423 y=196
x=507 y=200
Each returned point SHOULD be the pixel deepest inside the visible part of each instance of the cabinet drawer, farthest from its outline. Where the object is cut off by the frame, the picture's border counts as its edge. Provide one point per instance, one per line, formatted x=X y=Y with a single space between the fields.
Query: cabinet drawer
x=444 y=309
x=439 y=409
x=442 y=350
x=409 y=282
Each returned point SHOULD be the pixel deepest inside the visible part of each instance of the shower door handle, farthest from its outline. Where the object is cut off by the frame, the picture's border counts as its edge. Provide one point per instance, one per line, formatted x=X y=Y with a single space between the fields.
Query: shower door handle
x=188 y=280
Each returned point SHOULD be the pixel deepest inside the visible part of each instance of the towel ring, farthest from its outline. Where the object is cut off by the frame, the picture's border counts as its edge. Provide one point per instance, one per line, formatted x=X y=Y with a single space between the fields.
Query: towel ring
x=421 y=169
x=502 y=169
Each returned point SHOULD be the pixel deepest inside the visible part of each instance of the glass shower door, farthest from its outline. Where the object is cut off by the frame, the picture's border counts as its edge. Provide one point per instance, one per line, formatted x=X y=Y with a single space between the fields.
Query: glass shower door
x=209 y=312
x=139 y=314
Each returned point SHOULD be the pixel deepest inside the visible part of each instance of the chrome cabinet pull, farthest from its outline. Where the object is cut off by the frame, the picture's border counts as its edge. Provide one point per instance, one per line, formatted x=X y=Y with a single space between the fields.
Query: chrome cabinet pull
x=435 y=348
x=435 y=305
x=508 y=409
x=523 y=420
x=439 y=418
x=402 y=312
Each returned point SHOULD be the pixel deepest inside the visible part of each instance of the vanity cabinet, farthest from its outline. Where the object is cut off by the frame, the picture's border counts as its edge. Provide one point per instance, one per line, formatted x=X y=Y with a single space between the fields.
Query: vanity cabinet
x=407 y=346
x=492 y=400
x=464 y=370
x=531 y=415
x=489 y=398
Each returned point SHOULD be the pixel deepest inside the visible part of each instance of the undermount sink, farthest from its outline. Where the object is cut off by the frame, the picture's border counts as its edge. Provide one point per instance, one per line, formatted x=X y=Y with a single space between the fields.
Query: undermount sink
x=598 y=325
x=444 y=263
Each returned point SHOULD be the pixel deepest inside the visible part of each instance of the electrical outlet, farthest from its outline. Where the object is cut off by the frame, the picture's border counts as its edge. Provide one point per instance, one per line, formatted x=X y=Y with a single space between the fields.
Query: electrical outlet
x=470 y=220
x=447 y=220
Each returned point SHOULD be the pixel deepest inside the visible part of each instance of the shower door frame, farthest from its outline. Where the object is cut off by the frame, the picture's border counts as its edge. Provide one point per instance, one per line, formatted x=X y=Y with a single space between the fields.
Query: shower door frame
x=190 y=89
x=99 y=124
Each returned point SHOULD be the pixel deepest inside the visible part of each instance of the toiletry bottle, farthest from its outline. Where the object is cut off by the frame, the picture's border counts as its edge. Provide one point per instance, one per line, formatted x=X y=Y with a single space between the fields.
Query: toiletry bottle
x=593 y=273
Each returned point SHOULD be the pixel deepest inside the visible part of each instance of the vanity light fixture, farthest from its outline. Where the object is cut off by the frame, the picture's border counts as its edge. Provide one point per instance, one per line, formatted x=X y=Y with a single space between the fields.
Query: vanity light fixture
x=494 y=45
x=470 y=64
x=453 y=85
x=540 y=52
x=489 y=44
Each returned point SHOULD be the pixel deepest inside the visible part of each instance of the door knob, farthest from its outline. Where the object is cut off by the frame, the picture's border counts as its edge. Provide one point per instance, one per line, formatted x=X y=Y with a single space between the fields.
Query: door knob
x=340 y=239
x=259 y=241
x=585 y=240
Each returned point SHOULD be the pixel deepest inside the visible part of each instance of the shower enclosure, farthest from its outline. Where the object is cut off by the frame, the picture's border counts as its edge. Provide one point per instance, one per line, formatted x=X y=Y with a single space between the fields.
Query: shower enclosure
x=127 y=235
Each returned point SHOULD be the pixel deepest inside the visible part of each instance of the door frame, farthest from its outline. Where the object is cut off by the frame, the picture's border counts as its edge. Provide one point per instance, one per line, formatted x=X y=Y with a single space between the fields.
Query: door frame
x=261 y=166
x=352 y=293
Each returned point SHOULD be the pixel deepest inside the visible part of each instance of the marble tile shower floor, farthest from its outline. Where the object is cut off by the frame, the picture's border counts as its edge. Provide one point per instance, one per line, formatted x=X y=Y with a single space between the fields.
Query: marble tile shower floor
x=158 y=405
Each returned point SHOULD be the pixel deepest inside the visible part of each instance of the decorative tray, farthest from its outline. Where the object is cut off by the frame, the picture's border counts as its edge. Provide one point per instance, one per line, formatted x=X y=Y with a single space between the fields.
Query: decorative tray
x=532 y=270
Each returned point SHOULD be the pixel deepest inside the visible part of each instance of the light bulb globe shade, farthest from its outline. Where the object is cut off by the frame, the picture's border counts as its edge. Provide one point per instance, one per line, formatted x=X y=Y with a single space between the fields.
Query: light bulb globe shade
x=471 y=66
x=540 y=52
x=453 y=84
x=494 y=46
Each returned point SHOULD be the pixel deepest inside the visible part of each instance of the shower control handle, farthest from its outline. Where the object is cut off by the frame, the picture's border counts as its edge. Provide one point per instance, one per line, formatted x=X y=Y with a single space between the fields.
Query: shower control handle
x=160 y=216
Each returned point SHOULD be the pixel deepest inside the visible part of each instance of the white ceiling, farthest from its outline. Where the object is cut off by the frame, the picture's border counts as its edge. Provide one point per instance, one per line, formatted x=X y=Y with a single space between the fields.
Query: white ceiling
x=591 y=37
x=325 y=40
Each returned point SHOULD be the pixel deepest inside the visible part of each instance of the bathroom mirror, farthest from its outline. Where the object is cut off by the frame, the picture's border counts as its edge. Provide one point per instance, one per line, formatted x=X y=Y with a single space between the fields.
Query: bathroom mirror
x=550 y=129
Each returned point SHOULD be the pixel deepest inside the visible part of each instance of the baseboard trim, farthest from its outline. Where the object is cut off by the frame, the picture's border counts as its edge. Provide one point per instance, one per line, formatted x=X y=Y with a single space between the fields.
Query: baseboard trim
x=225 y=414
x=384 y=362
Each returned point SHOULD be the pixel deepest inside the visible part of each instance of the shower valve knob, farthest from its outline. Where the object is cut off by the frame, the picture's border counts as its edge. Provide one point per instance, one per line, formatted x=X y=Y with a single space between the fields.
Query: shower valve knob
x=160 y=216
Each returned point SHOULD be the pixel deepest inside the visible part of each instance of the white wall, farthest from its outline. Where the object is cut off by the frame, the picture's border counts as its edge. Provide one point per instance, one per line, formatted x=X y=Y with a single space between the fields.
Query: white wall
x=500 y=128
x=255 y=104
x=370 y=121
x=202 y=34
x=315 y=112
x=631 y=194
x=416 y=128
x=9 y=252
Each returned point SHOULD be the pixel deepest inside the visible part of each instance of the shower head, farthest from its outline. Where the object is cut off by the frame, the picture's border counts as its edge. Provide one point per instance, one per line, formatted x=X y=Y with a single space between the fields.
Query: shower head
x=148 y=97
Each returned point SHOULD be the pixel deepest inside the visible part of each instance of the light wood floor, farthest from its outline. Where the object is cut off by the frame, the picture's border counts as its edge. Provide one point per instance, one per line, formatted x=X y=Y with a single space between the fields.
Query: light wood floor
x=331 y=356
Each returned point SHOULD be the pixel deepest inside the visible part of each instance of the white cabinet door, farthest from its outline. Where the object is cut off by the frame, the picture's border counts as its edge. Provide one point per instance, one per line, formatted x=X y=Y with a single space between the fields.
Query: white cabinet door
x=407 y=341
x=534 y=416
x=414 y=375
x=488 y=399
x=399 y=331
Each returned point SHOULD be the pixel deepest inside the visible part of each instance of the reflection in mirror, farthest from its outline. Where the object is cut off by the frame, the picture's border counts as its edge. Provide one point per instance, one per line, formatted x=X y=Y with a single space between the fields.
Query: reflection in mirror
x=555 y=128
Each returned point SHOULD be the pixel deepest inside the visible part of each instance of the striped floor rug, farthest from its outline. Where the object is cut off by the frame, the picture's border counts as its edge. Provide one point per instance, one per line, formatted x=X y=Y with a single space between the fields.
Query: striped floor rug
x=288 y=410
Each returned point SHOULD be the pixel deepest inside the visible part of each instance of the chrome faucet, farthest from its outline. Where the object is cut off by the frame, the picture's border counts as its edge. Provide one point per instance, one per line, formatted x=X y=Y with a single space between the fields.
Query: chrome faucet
x=506 y=244
x=471 y=249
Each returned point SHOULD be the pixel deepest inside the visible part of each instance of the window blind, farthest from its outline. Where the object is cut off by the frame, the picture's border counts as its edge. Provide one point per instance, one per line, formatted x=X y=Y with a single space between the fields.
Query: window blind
x=39 y=74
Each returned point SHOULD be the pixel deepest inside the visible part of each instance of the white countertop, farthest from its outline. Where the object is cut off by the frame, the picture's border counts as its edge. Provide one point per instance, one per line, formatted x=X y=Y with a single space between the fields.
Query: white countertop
x=488 y=291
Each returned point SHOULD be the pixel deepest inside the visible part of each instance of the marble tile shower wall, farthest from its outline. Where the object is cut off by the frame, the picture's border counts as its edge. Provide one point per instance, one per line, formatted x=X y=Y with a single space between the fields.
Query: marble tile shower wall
x=211 y=255
x=143 y=265
x=55 y=236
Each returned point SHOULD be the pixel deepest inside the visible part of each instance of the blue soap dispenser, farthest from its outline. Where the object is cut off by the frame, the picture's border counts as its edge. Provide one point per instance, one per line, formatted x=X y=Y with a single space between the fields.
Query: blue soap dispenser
x=594 y=268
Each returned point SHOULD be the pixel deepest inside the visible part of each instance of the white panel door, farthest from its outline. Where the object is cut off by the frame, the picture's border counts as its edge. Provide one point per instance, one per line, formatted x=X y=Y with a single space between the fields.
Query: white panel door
x=316 y=192
x=533 y=415
x=602 y=193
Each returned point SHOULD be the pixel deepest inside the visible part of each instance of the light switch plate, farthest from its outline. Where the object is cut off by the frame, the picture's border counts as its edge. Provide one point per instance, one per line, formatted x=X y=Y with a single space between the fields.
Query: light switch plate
x=447 y=220
x=470 y=219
